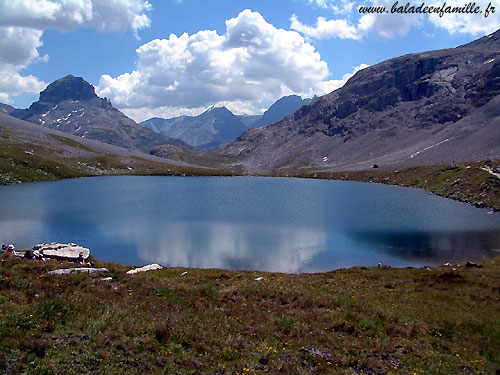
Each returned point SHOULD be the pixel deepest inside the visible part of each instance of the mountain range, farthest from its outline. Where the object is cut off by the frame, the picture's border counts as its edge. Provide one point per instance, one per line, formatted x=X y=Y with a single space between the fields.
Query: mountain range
x=419 y=109
x=423 y=108
x=214 y=128
x=71 y=106
x=218 y=126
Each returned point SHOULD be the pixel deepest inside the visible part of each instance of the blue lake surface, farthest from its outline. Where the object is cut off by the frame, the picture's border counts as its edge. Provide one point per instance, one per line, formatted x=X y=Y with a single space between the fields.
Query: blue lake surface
x=247 y=223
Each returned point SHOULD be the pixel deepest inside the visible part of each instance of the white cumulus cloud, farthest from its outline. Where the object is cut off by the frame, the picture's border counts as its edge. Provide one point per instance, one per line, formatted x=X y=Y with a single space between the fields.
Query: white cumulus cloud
x=324 y=28
x=251 y=64
x=12 y=84
x=388 y=25
x=105 y=15
x=21 y=29
x=474 y=24
x=392 y=23
x=18 y=48
x=334 y=84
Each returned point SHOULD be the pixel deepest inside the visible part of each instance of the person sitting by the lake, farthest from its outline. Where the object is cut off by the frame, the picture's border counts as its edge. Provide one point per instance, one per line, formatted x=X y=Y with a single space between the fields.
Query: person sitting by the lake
x=4 y=248
x=80 y=259
x=10 y=249
x=38 y=257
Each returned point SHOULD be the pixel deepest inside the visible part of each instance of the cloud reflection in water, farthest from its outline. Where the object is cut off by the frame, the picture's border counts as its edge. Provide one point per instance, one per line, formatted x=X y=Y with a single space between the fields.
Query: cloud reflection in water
x=229 y=245
x=287 y=225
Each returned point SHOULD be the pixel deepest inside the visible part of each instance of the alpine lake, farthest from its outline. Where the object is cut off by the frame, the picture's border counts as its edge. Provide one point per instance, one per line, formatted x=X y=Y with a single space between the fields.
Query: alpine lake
x=248 y=223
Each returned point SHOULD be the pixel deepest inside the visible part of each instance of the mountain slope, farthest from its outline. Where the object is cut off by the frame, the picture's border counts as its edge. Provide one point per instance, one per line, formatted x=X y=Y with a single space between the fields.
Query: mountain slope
x=31 y=152
x=71 y=105
x=213 y=128
x=423 y=108
x=6 y=108
x=281 y=108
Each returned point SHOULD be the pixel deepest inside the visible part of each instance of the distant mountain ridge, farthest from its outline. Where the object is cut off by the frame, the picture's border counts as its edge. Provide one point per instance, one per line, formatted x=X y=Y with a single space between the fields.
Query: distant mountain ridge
x=215 y=127
x=249 y=120
x=423 y=108
x=280 y=109
x=218 y=126
x=70 y=105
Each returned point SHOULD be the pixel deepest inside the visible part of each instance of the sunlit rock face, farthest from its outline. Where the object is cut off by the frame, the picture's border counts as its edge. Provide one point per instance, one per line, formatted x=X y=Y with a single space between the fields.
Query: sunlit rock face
x=423 y=108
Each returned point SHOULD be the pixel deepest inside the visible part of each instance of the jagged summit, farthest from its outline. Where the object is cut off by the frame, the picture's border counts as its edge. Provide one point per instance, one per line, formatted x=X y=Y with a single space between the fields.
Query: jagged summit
x=68 y=88
x=71 y=105
x=218 y=110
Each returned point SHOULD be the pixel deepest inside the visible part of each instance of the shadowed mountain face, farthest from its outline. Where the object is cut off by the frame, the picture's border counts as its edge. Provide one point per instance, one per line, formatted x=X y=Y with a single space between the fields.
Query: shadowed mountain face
x=215 y=127
x=281 y=108
x=249 y=120
x=71 y=105
x=423 y=108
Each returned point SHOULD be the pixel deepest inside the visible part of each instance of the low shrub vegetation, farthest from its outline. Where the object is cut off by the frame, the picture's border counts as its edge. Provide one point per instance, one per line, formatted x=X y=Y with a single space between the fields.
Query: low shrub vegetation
x=441 y=320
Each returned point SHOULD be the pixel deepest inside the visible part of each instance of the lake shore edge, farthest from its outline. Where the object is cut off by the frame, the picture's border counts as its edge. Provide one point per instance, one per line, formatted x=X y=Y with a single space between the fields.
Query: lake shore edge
x=465 y=182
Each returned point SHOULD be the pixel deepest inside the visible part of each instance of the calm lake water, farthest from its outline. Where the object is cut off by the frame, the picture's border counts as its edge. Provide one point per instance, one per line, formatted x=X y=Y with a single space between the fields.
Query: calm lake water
x=245 y=223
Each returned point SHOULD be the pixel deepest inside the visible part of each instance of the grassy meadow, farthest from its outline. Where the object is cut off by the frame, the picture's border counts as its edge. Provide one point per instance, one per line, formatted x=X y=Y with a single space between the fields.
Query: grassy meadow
x=442 y=320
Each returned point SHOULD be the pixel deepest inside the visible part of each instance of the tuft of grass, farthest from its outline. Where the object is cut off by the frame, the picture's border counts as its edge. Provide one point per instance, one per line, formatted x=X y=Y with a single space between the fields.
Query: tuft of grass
x=286 y=321
x=209 y=290
x=170 y=295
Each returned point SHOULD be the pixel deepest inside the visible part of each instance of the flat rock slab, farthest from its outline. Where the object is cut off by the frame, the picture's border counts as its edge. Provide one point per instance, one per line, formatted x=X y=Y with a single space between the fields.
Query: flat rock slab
x=149 y=267
x=65 y=271
x=62 y=250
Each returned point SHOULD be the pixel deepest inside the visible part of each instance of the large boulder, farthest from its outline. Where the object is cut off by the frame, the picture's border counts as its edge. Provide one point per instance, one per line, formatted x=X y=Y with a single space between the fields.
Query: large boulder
x=61 y=250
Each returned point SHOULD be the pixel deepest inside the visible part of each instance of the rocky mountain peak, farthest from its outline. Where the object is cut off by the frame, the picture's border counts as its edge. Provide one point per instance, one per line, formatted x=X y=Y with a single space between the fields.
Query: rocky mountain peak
x=70 y=105
x=217 y=110
x=68 y=88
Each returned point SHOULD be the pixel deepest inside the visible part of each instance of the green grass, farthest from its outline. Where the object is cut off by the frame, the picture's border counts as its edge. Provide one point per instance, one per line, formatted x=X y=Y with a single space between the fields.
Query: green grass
x=442 y=320
x=23 y=161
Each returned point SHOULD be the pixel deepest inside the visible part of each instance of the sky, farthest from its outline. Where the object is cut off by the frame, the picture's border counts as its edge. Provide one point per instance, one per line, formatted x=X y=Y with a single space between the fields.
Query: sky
x=166 y=58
